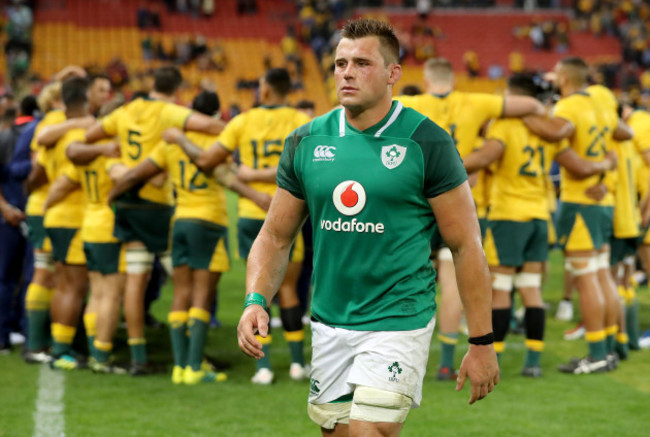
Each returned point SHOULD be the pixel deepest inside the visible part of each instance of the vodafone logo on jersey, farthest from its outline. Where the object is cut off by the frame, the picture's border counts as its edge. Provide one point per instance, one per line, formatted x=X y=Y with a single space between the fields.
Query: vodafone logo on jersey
x=349 y=197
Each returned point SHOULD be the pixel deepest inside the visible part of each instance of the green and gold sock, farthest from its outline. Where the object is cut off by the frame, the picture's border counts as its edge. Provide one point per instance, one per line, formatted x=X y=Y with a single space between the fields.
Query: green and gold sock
x=534 y=350
x=632 y=318
x=610 y=339
x=199 y=321
x=296 y=340
x=178 y=333
x=37 y=306
x=622 y=348
x=596 y=343
x=448 y=340
x=103 y=351
x=90 y=323
x=63 y=336
x=138 y=348
x=265 y=362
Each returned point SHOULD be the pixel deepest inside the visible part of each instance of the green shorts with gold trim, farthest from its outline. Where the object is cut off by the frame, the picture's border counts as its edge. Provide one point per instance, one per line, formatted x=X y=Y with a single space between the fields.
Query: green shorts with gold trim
x=510 y=243
x=200 y=244
x=141 y=220
x=621 y=248
x=583 y=227
x=36 y=233
x=104 y=258
x=67 y=247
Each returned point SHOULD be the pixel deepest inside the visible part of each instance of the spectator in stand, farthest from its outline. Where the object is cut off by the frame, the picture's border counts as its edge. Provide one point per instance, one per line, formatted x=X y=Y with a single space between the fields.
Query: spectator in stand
x=117 y=73
x=516 y=62
x=291 y=50
x=562 y=38
x=246 y=7
x=472 y=64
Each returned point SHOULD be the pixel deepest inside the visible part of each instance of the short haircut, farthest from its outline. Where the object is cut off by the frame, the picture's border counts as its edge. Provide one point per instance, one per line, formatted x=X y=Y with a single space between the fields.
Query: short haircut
x=74 y=91
x=576 y=70
x=305 y=104
x=206 y=102
x=95 y=77
x=523 y=85
x=364 y=27
x=438 y=70
x=279 y=80
x=50 y=94
x=166 y=80
x=28 y=105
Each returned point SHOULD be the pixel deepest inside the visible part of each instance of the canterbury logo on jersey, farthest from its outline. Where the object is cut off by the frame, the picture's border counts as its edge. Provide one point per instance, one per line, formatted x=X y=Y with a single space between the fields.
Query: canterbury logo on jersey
x=324 y=153
x=349 y=198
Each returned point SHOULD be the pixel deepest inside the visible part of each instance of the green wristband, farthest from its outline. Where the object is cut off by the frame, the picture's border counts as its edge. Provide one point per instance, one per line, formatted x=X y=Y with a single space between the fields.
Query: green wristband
x=255 y=299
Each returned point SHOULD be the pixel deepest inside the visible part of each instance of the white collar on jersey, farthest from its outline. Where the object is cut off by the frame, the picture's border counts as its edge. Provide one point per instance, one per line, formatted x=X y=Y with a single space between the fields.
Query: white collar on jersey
x=391 y=120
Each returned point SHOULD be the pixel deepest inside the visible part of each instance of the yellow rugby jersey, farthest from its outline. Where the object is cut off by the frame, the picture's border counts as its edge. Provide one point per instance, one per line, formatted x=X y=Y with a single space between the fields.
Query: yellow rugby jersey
x=198 y=196
x=259 y=135
x=96 y=183
x=587 y=141
x=519 y=177
x=639 y=121
x=69 y=212
x=627 y=217
x=37 y=198
x=462 y=115
x=139 y=126
x=607 y=107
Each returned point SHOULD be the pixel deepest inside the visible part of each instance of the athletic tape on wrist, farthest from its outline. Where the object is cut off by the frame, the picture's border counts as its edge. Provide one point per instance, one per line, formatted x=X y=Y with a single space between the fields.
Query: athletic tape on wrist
x=255 y=299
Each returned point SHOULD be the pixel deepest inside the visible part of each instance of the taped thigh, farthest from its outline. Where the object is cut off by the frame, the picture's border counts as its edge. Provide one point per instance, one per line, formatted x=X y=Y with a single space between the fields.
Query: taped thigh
x=377 y=405
x=528 y=280
x=502 y=282
x=328 y=415
x=579 y=266
x=138 y=260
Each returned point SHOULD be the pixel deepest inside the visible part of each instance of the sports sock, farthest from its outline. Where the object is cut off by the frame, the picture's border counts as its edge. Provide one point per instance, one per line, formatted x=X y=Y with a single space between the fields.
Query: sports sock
x=448 y=340
x=265 y=362
x=622 y=348
x=632 y=318
x=610 y=339
x=199 y=321
x=293 y=332
x=37 y=306
x=138 y=348
x=534 y=321
x=178 y=333
x=500 y=325
x=63 y=336
x=102 y=351
x=90 y=323
x=596 y=343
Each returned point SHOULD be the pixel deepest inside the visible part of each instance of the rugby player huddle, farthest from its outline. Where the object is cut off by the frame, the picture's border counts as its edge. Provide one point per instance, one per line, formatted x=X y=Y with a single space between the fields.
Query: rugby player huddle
x=146 y=179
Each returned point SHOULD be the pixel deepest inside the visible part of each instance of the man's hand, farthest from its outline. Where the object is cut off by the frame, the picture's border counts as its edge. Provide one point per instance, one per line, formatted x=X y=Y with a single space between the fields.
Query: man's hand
x=254 y=320
x=85 y=122
x=172 y=135
x=611 y=159
x=245 y=173
x=11 y=214
x=596 y=192
x=481 y=367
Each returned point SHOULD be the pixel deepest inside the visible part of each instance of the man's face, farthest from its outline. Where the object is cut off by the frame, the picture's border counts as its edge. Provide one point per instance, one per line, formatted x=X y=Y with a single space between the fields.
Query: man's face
x=99 y=93
x=360 y=74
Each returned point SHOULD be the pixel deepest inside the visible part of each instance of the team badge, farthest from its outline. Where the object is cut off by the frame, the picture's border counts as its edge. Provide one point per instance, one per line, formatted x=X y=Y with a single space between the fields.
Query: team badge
x=349 y=197
x=392 y=156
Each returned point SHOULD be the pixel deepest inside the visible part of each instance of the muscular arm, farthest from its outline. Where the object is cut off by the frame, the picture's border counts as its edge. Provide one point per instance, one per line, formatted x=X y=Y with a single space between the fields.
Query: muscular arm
x=248 y=174
x=202 y=123
x=37 y=177
x=143 y=171
x=206 y=160
x=550 y=129
x=84 y=154
x=49 y=135
x=95 y=133
x=581 y=168
x=520 y=106
x=267 y=264
x=623 y=132
x=59 y=190
x=491 y=151
x=458 y=224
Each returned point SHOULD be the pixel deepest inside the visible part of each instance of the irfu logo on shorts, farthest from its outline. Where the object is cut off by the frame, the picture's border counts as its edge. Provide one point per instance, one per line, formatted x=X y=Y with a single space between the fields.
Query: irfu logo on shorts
x=313 y=386
x=395 y=370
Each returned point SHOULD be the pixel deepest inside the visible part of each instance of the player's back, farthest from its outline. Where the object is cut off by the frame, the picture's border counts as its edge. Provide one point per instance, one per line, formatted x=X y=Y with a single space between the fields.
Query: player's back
x=627 y=217
x=519 y=190
x=37 y=197
x=639 y=121
x=587 y=140
x=259 y=135
x=68 y=213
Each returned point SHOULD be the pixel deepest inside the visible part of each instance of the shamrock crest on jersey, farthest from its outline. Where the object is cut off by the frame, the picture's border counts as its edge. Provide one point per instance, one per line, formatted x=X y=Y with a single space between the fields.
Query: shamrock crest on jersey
x=392 y=156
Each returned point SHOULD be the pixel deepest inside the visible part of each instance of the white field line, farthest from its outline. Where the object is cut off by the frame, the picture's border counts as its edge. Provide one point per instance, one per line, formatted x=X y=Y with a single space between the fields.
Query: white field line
x=49 y=420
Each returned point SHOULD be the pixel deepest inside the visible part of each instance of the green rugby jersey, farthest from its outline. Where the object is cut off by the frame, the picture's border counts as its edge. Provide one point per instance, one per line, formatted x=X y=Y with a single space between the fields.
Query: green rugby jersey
x=367 y=197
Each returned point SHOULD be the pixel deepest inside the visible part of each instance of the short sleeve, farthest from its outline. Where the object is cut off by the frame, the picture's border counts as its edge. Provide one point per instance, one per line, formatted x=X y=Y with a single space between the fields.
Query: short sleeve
x=71 y=172
x=229 y=138
x=287 y=177
x=111 y=122
x=564 y=109
x=159 y=155
x=497 y=130
x=443 y=168
x=175 y=115
x=490 y=105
